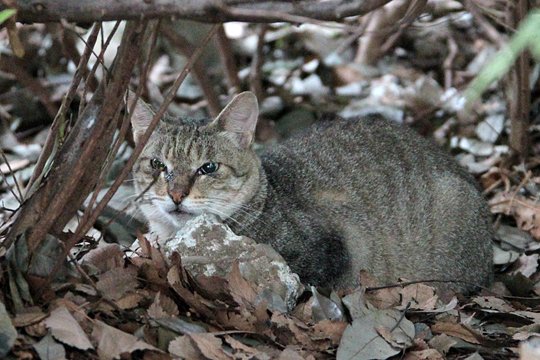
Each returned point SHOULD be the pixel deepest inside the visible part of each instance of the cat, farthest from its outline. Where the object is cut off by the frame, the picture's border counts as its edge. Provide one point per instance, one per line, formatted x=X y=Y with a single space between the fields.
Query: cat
x=343 y=196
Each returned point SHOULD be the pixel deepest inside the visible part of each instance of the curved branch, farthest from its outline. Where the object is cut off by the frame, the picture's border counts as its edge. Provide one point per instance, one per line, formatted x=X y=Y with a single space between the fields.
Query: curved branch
x=198 y=10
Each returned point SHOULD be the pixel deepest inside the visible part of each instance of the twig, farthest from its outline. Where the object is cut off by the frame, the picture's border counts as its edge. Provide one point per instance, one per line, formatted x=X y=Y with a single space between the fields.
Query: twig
x=125 y=123
x=449 y=61
x=255 y=79
x=21 y=197
x=403 y=284
x=61 y=114
x=210 y=11
x=84 y=227
x=488 y=29
x=227 y=60
x=199 y=71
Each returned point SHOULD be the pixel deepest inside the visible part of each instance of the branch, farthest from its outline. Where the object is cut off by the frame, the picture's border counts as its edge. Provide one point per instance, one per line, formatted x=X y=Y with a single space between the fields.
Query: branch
x=211 y=11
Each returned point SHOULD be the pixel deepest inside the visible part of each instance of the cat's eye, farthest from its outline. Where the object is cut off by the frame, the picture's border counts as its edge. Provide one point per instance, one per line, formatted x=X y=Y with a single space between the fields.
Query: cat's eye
x=208 y=168
x=156 y=164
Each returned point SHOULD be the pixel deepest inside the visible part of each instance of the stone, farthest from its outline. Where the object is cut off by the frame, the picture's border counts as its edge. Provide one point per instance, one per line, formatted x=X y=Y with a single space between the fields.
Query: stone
x=209 y=247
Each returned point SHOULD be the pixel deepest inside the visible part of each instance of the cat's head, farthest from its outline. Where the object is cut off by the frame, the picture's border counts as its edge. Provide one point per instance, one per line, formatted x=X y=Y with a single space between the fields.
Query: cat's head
x=186 y=169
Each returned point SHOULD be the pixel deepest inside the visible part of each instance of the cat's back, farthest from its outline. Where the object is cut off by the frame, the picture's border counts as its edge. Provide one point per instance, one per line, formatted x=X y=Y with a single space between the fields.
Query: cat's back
x=386 y=193
x=338 y=151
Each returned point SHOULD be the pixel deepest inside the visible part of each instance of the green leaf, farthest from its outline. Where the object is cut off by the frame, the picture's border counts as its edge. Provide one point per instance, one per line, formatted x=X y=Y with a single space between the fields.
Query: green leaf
x=6 y=14
x=525 y=37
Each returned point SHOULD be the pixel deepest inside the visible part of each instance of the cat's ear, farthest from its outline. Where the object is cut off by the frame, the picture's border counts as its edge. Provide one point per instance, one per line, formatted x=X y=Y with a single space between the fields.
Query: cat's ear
x=239 y=118
x=141 y=118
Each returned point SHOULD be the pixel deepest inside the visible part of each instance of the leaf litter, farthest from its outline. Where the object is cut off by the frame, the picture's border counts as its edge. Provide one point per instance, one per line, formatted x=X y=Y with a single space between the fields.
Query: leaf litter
x=149 y=306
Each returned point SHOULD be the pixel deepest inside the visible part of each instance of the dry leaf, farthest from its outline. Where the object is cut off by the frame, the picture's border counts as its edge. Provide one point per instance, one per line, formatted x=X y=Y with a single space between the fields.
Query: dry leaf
x=458 y=330
x=492 y=302
x=113 y=342
x=66 y=329
x=130 y=301
x=116 y=282
x=427 y=354
x=240 y=347
x=49 y=349
x=361 y=341
x=527 y=265
x=210 y=346
x=419 y=296
x=328 y=329
x=241 y=290
x=443 y=343
x=185 y=348
x=524 y=210
x=162 y=307
x=28 y=318
x=105 y=257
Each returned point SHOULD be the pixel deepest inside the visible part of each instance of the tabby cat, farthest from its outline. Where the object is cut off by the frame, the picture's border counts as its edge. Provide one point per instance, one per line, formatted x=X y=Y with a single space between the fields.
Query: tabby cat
x=343 y=196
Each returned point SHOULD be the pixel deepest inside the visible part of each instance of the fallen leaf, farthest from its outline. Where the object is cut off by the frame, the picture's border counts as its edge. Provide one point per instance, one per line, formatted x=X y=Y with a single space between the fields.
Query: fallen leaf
x=104 y=257
x=240 y=347
x=527 y=264
x=185 y=348
x=49 y=349
x=241 y=290
x=116 y=282
x=328 y=329
x=33 y=316
x=460 y=331
x=418 y=296
x=524 y=210
x=162 y=307
x=66 y=329
x=113 y=342
x=210 y=346
x=492 y=302
x=361 y=340
x=8 y=333
x=427 y=354
x=443 y=343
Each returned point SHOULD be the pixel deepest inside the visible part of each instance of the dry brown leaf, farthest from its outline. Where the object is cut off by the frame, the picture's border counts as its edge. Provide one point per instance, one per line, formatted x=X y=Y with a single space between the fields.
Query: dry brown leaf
x=458 y=330
x=240 y=347
x=113 y=342
x=210 y=346
x=328 y=329
x=290 y=354
x=241 y=290
x=419 y=296
x=524 y=210
x=494 y=303
x=185 y=348
x=291 y=331
x=105 y=257
x=382 y=299
x=443 y=343
x=116 y=282
x=130 y=301
x=527 y=265
x=428 y=354
x=66 y=329
x=33 y=316
x=162 y=307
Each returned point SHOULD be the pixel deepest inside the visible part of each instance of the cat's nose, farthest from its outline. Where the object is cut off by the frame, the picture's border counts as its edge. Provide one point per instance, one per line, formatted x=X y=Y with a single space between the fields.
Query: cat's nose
x=177 y=196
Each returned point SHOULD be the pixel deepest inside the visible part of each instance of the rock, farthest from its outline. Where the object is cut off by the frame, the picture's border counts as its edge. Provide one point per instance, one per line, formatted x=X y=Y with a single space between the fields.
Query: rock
x=209 y=247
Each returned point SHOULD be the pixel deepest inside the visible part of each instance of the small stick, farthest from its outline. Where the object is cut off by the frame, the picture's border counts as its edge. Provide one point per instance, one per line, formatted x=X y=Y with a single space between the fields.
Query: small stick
x=227 y=60
x=21 y=197
x=256 y=64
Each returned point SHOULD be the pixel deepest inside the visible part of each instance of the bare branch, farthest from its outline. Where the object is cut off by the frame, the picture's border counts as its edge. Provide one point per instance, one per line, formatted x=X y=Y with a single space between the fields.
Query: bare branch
x=211 y=11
